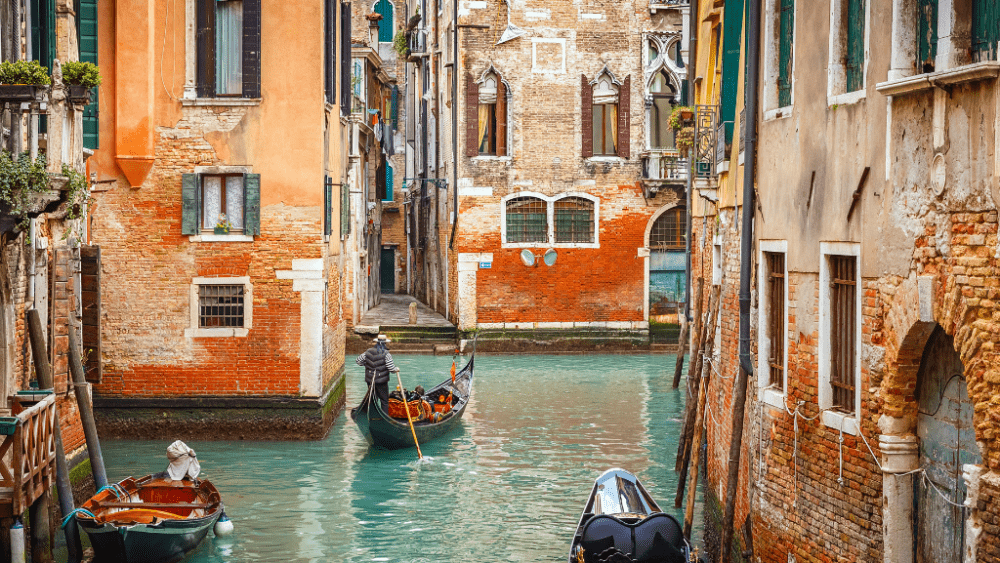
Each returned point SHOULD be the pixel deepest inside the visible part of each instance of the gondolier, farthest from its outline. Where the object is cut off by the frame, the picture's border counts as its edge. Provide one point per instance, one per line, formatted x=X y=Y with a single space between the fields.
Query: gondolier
x=377 y=362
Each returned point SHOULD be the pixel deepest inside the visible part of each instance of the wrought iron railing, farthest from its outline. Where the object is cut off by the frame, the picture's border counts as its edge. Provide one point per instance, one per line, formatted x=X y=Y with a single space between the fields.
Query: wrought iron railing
x=706 y=140
x=668 y=2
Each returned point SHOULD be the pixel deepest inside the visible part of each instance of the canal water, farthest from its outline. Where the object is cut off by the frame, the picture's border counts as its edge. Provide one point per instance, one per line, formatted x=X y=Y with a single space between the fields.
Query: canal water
x=508 y=485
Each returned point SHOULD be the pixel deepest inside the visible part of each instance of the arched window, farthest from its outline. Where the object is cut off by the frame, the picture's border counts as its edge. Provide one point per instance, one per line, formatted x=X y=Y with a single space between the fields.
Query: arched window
x=527 y=220
x=385 y=27
x=669 y=230
x=664 y=95
x=605 y=116
x=574 y=218
x=492 y=138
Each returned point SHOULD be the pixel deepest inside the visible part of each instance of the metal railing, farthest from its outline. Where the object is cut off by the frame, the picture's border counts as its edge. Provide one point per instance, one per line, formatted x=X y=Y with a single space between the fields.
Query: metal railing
x=668 y=3
x=706 y=140
x=665 y=166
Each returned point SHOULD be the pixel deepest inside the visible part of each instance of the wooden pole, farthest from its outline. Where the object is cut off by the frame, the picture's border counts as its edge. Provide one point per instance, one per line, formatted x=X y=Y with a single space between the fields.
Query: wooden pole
x=86 y=413
x=699 y=424
x=38 y=513
x=63 y=486
x=406 y=405
x=679 y=362
x=694 y=373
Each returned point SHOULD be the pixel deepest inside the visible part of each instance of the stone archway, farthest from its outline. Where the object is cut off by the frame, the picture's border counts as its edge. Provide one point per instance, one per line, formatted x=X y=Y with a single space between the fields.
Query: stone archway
x=665 y=264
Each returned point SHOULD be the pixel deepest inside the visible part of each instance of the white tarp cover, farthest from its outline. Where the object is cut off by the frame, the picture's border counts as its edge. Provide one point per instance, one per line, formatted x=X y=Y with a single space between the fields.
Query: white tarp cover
x=183 y=461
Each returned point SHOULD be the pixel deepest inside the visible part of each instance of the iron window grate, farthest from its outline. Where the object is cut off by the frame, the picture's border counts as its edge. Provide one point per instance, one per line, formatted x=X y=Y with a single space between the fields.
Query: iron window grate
x=776 y=318
x=574 y=220
x=220 y=306
x=843 y=330
x=527 y=220
x=669 y=230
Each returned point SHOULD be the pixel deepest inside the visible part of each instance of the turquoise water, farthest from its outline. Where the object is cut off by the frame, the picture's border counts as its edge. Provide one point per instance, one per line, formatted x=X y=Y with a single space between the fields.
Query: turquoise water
x=508 y=485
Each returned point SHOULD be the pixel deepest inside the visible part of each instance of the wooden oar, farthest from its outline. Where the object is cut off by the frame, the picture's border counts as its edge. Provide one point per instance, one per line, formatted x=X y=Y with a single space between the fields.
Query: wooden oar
x=406 y=404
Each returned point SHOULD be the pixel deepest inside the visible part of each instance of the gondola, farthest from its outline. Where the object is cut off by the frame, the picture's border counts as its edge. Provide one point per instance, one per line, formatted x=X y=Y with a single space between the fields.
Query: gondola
x=149 y=520
x=622 y=523
x=388 y=433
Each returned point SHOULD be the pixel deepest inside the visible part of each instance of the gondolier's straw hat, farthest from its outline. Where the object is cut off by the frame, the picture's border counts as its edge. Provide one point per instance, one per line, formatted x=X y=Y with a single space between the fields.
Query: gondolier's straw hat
x=381 y=338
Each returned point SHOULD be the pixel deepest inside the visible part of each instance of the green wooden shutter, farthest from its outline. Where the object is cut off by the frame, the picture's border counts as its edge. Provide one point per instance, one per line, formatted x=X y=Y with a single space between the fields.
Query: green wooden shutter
x=388 y=183
x=927 y=36
x=251 y=208
x=86 y=28
x=394 y=108
x=985 y=29
x=855 y=45
x=385 y=27
x=731 y=32
x=786 y=41
x=345 y=210
x=327 y=205
x=191 y=204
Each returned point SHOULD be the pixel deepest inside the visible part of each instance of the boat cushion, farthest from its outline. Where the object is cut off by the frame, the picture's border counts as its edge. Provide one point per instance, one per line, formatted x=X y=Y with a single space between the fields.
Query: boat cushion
x=657 y=538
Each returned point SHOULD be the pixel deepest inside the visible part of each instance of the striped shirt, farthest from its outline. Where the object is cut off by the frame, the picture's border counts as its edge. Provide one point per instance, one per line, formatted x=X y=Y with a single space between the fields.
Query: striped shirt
x=388 y=361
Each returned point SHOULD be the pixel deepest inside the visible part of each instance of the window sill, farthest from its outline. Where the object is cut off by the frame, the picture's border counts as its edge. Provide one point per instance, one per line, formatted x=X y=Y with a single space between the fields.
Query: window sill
x=612 y=159
x=221 y=102
x=489 y=158
x=216 y=332
x=987 y=70
x=841 y=420
x=778 y=113
x=545 y=245
x=771 y=396
x=210 y=237
x=846 y=99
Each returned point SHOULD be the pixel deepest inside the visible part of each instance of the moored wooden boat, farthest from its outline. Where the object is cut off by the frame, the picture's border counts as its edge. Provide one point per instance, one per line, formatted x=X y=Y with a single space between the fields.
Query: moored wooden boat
x=622 y=522
x=386 y=432
x=149 y=520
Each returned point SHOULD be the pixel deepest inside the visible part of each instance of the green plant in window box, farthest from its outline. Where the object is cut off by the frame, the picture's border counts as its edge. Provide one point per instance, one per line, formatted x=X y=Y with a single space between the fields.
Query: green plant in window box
x=680 y=116
x=401 y=44
x=23 y=80
x=685 y=140
x=223 y=225
x=21 y=180
x=81 y=77
x=77 y=196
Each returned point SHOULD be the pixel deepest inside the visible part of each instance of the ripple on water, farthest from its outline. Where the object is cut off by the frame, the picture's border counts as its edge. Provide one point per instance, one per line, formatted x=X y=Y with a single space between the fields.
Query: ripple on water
x=508 y=485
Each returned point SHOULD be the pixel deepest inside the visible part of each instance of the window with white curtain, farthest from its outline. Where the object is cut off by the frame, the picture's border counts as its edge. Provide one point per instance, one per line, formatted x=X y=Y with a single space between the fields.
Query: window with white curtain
x=229 y=47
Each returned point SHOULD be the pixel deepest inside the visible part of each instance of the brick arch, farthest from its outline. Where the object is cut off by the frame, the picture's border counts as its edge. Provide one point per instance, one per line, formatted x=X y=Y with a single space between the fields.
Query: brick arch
x=655 y=216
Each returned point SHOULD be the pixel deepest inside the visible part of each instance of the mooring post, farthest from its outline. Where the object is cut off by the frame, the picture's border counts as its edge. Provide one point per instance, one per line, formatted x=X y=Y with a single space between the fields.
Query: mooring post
x=66 y=503
x=86 y=413
x=38 y=512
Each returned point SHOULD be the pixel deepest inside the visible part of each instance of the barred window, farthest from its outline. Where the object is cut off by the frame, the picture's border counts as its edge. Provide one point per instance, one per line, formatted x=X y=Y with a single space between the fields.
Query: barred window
x=843 y=315
x=220 y=306
x=527 y=220
x=669 y=230
x=574 y=220
x=776 y=318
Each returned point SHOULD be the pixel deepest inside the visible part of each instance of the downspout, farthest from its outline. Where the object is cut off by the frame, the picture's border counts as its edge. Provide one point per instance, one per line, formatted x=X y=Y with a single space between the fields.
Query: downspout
x=693 y=165
x=746 y=260
x=454 y=138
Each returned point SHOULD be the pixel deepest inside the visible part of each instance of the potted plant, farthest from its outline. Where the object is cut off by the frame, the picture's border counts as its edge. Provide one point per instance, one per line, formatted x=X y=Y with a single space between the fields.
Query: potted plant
x=685 y=140
x=401 y=44
x=223 y=225
x=22 y=181
x=679 y=116
x=20 y=80
x=82 y=78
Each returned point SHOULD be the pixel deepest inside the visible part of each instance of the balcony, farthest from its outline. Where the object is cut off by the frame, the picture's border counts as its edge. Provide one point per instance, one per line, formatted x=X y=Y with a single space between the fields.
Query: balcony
x=663 y=169
x=655 y=5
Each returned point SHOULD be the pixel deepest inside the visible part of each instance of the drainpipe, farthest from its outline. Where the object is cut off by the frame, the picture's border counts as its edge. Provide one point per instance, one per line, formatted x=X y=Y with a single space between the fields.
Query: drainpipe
x=692 y=56
x=746 y=261
x=454 y=136
x=32 y=233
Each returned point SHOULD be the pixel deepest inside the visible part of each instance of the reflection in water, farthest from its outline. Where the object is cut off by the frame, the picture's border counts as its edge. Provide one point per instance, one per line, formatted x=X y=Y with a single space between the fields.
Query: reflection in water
x=508 y=485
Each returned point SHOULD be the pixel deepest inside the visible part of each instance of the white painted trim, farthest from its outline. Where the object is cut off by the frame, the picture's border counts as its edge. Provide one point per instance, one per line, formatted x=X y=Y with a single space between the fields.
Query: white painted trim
x=492 y=158
x=550 y=214
x=194 y=331
x=606 y=159
x=767 y=392
x=846 y=99
x=220 y=102
x=211 y=237
x=824 y=391
x=778 y=113
x=839 y=420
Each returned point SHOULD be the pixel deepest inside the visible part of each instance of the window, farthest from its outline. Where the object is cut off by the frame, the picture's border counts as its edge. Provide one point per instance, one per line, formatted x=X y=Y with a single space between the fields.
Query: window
x=985 y=29
x=664 y=95
x=527 y=220
x=927 y=39
x=86 y=31
x=385 y=26
x=574 y=220
x=605 y=117
x=843 y=311
x=855 y=58
x=221 y=198
x=786 y=40
x=345 y=58
x=775 y=264
x=220 y=306
x=228 y=48
x=848 y=20
x=488 y=100
x=345 y=211
x=670 y=230
x=330 y=48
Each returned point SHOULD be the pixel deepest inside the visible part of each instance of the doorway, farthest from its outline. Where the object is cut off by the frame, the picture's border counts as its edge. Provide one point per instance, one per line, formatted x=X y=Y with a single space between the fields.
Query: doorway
x=387 y=270
x=947 y=439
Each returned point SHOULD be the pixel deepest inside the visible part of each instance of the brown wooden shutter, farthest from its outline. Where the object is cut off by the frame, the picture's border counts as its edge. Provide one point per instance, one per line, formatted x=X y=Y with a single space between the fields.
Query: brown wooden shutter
x=205 y=39
x=625 y=118
x=501 y=118
x=345 y=60
x=329 y=53
x=90 y=300
x=471 y=116
x=251 y=48
x=587 y=116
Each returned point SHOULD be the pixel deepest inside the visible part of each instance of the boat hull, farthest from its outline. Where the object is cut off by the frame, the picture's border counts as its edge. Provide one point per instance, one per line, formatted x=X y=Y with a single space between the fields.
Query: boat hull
x=384 y=432
x=166 y=542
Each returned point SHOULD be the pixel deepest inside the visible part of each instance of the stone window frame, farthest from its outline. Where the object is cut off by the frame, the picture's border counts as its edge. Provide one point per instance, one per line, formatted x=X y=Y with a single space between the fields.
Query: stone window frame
x=613 y=85
x=508 y=115
x=677 y=74
x=194 y=331
x=206 y=236
x=766 y=392
x=836 y=85
x=550 y=211
x=772 y=56
x=847 y=422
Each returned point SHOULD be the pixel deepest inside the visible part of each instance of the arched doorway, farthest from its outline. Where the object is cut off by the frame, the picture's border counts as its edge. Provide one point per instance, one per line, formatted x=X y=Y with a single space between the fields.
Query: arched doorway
x=667 y=259
x=947 y=439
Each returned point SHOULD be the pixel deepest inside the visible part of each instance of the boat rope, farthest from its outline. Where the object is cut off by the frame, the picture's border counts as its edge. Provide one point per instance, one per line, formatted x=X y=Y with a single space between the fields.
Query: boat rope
x=73 y=513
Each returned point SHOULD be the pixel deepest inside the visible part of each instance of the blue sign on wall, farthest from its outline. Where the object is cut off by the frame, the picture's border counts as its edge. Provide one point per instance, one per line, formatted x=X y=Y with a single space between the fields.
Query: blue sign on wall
x=485 y=265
